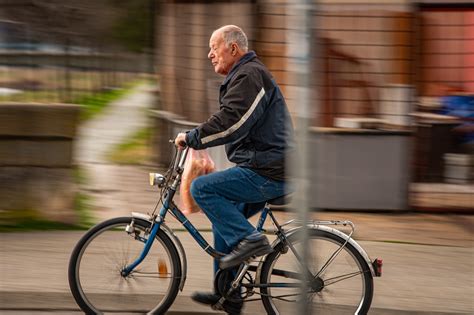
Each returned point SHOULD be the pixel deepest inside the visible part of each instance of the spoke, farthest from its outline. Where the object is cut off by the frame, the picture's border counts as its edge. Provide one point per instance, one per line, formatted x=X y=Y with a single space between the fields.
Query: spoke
x=144 y=274
x=150 y=274
x=280 y=285
x=287 y=274
x=340 y=278
x=282 y=297
x=279 y=297
x=331 y=259
x=156 y=277
x=110 y=254
x=253 y=300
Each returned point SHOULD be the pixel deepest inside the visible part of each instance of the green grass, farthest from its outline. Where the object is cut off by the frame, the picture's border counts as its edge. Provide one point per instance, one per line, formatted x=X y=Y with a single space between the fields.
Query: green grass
x=92 y=104
x=82 y=201
x=31 y=97
x=96 y=103
x=134 y=150
x=84 y=214
x=28 y=220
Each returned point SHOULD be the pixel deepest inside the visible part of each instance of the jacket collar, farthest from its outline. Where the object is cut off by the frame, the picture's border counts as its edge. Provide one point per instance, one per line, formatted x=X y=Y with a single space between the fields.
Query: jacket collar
x=245 y=58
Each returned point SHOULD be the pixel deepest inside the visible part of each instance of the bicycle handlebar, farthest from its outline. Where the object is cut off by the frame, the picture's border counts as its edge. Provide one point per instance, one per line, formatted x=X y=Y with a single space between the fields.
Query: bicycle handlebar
x=182 y=157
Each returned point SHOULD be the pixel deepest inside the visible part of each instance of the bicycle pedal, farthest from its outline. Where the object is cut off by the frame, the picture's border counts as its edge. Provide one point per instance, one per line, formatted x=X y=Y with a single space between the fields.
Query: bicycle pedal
x=284 y=249
x=217 y=307
x=249 y=260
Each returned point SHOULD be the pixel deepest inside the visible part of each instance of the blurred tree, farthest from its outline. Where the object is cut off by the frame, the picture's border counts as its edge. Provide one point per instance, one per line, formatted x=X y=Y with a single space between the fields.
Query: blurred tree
x=106 y=24
x=133 y=28
x=52 y=21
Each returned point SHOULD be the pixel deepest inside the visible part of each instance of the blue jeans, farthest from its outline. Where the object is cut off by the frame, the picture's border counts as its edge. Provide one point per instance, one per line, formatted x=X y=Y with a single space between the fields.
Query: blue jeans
x=229 y=198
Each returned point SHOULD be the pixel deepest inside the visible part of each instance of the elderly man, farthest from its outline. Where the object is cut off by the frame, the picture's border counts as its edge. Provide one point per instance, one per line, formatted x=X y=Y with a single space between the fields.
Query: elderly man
x=254 y=124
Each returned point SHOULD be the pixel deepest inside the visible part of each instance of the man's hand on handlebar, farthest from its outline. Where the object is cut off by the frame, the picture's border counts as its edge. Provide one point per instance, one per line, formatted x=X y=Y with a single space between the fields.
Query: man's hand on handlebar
x=180 y=140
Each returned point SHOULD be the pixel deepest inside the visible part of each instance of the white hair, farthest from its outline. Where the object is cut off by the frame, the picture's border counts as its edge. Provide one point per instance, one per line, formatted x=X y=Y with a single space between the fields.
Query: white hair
x=234 y=34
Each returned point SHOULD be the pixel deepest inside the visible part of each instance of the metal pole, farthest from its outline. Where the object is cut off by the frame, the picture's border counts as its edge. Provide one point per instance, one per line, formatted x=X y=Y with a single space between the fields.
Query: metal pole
x=300 y=41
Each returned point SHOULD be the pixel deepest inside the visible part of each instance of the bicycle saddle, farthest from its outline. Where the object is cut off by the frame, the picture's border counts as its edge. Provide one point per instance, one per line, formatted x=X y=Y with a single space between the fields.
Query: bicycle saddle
x=280 y=201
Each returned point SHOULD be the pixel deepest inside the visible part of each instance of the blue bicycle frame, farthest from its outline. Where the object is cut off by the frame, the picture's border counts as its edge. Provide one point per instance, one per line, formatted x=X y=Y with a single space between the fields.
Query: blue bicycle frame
x=168 y=205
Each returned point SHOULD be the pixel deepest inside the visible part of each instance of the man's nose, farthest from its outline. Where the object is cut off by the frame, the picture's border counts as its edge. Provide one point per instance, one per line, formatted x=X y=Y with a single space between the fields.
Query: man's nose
x=210 y=54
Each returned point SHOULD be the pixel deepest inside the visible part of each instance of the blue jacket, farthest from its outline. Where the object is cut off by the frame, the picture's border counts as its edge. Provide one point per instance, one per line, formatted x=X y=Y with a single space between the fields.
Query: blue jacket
x=253 y=121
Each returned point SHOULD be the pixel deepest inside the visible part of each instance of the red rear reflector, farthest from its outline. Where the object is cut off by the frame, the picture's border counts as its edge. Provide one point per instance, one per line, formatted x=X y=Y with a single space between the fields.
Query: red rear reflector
x=378 y=267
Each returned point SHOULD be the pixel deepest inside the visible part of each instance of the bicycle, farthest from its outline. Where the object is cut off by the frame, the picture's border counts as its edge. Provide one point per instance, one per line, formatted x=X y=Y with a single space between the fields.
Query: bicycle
x=108 y=271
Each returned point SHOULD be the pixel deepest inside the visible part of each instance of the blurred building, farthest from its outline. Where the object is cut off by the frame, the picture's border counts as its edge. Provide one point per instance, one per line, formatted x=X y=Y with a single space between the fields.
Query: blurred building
x=365 y=46
x=382 y=72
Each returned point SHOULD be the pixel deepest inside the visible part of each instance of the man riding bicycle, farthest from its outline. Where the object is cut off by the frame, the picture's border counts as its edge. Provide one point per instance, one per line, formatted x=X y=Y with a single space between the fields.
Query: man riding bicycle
x=255 y=126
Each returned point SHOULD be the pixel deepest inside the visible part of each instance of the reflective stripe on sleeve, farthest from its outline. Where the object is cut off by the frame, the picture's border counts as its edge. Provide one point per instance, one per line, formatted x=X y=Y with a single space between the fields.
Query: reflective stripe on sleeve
x=237 y=125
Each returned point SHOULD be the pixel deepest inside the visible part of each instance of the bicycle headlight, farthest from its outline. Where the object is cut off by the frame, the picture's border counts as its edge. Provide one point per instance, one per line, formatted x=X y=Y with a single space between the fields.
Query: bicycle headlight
x=156 y=179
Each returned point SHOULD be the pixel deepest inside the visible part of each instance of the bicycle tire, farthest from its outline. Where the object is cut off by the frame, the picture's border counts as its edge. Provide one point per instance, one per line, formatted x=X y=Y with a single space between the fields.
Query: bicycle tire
x=95 y=280
x=344 y=299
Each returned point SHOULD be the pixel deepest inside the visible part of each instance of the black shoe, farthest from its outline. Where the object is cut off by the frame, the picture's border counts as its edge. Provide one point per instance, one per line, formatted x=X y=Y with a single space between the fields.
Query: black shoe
x=205 y=298
x=244 y=250
x=233 y=308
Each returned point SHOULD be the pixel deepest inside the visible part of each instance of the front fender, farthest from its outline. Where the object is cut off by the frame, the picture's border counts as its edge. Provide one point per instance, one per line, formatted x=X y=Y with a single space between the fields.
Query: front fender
x=182 y=253
x=176 y=242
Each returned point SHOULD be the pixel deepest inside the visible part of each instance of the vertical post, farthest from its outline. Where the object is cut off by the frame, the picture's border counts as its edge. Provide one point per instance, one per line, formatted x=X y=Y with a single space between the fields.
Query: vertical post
x=299 y=40
x=31 y=67
x=67 y=69
x=151 y=39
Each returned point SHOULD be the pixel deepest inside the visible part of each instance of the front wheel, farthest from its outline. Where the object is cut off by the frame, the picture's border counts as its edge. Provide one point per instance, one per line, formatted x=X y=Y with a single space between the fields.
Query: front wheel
x=338 y=282
x=96 y=263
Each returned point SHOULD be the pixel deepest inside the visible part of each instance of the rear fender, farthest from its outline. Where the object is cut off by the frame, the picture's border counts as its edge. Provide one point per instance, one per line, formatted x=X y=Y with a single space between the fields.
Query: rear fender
x=277 y=243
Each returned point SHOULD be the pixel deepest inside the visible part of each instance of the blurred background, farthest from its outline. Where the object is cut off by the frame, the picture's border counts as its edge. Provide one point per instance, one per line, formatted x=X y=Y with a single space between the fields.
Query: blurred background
x=91 y=91
x=390 y=102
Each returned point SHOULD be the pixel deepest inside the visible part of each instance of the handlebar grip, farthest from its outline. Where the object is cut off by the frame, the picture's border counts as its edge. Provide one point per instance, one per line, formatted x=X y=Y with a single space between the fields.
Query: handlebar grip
x=181 y=143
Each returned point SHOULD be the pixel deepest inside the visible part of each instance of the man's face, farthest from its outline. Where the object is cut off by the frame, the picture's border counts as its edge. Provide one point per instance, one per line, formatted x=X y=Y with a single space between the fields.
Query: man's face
x=220 y=55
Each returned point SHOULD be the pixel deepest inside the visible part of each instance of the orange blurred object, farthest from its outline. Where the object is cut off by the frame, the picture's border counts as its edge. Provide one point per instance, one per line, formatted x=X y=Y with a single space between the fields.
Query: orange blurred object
x=162 y=268
x=198 y=162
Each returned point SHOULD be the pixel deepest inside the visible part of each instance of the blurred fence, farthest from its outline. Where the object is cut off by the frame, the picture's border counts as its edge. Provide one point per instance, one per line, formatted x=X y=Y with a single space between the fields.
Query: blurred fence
x=59 y=51
x=32 y=76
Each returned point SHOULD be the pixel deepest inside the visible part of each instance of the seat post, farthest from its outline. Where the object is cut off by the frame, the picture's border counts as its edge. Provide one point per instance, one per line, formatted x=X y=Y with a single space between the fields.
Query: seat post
x=263 y=218
x=273 y=218
x=279 y=201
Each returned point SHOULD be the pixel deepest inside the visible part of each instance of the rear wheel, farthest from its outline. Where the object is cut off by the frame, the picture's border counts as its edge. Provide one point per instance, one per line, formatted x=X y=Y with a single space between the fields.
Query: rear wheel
x=96 y=263
x=344 y=286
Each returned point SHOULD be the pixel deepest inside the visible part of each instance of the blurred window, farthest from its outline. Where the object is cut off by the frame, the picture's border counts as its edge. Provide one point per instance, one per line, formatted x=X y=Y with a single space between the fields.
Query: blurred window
x=447 y=49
